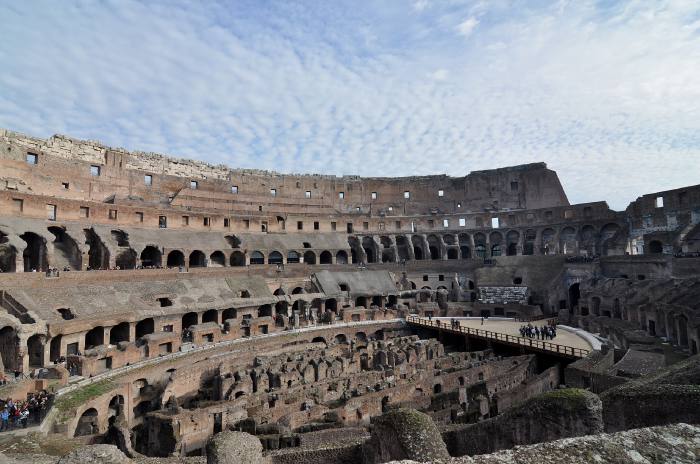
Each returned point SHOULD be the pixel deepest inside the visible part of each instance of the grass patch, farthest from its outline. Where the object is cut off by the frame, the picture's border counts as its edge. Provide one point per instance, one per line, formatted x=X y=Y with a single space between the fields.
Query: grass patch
x=71 y=401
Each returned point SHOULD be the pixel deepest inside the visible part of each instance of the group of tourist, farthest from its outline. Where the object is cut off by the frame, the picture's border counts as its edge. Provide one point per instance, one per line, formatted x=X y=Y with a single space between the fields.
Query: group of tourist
x=546 y=332
x=16 y=414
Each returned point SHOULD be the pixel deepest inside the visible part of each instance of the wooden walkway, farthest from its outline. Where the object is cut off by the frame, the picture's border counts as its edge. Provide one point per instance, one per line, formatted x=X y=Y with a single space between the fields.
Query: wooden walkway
x=512 y=340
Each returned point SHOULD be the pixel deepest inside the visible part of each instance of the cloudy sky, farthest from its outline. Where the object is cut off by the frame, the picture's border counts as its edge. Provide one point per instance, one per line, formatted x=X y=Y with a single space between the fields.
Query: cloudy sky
x=607 y=93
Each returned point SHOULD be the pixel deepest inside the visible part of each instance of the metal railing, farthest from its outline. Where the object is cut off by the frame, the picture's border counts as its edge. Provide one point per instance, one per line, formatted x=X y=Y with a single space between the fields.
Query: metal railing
x=524 y=342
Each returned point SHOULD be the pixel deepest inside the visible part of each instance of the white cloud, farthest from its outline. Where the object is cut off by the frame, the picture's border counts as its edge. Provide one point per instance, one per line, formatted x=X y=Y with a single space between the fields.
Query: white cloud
x=608 y=98
x=467 y=26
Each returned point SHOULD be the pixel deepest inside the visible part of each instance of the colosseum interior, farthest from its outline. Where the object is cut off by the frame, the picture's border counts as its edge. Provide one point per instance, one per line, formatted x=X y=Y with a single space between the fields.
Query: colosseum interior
x=167 y=310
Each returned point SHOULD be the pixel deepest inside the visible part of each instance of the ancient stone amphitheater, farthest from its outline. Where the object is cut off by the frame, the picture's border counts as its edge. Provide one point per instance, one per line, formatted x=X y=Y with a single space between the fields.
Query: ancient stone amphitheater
x=155 y=309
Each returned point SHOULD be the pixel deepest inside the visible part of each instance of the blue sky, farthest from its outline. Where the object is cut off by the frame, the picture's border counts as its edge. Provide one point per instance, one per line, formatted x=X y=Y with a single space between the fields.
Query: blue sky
x=606 y=93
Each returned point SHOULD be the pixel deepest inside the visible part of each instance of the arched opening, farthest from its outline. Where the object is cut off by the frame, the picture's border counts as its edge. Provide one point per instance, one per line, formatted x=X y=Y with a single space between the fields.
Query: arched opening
x=340 y=338
x=175 y=259
x=151 y=257
x=87 y=424
x=189 y=319
x=233 y=241
x=434 y=247
x=465 y=252
x=437 y=388
x=595 y=303
x=512 y=239
x=292 y=257
x=265 y=311
x=275 y=258
x=198 y=259
x=656 y=247
x=229 y=313
x=310 y=257
x=98 y=253
x=237 y=259
x=298 y=290
x=217 y=259
x=361 y=301
x=480 y=245
x=608 y=235
x=617 y=311
x=496 y=250
x=34 y=255
x=682 y=330
x=126 y=259
x=548 y=241
x=319 y=340
x=361 y=337
x=55 y=348
x=331 y=304
x=377 y=301
x=341 y=257
x=452 y=253
x=480 y=251
x=9 y=348
x=115 y=408
x=8 y=255
x=326 y=257
x=529 y=245
x=65 y=250
x=257 y=258
x=35 y=350
x=119 y=333
x=574 y=296
x=210 y=315
x=145 y=327
x=567 y=241
x=369 y=248
x=402 y=248
x=95 y=337
x=281 y=309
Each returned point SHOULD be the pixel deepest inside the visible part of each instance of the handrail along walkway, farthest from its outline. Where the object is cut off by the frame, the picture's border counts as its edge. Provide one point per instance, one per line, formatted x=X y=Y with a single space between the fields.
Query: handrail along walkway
x=524 y=342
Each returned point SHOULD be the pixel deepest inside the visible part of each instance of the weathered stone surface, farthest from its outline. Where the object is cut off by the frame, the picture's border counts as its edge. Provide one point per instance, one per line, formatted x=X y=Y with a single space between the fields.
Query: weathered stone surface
x=234 y=448
x=678 y=444
x=404 y=434
x=550 y=416
x=99 y=454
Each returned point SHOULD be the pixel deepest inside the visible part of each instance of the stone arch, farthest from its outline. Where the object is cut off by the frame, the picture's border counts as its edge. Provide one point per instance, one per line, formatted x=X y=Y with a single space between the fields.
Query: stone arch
x=189 y=319
x=434 y=247
x=145 y=327
x=567 y=240
x=656 y=247
x=115 y=408
x=275 y=257
x=418 y=247
x=88 y=423
x=356 y=250
x=34 y=254
x=176 y=258
x=229 y=313
x=9 y=348
x=126 y=259
x=292 y=257
x=595 y=306
x=529 y=242
x=210 y=315
x=340 y=338
x=119 y=333
x=402 y=248
x=341 y=257
x=361 y=301
x=265 y=311
x=256 y=257
x=370 y=249
x=8 y=255
x=588 y=240
x=548 y=241
x=66 y=253
x=325 y=258
x=237 y=259
x=512 y=239
x=151 y=257
x=98 y=253
x=608 y=235
x=198 y=259
x=35 y=350
x=217 y=259
x=310 y=257
x=95 y=337
x=464 y=249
